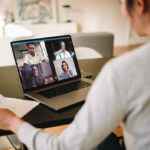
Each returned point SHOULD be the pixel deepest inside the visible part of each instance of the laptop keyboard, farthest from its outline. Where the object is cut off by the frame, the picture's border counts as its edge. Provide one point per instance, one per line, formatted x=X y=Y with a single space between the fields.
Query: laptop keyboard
x=63 y=89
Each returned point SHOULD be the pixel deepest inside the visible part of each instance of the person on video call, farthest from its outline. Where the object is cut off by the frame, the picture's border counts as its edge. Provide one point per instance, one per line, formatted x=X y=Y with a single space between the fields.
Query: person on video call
x=33 y=57
x=67 y=72
x=62 y=53
x=36 y=79
x=120 y=94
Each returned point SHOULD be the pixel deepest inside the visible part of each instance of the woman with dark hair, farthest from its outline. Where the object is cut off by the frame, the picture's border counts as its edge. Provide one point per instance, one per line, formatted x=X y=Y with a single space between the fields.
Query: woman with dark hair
x=67 y=72
x=120 y=93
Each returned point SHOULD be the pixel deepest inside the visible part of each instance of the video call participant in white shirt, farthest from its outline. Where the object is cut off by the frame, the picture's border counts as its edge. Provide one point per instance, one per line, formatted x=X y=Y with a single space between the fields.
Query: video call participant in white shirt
x=33 y=57
x=62 y=53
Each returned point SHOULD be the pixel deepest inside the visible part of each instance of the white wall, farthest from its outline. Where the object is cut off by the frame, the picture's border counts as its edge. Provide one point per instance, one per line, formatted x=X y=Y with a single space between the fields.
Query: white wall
x=7 y=4
x=6 y=54
x=92 y=16
x=100 y=15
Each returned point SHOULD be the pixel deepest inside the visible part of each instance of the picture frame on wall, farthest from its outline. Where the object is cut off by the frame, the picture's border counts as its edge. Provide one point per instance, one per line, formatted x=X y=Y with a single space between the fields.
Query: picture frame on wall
x=37 y=11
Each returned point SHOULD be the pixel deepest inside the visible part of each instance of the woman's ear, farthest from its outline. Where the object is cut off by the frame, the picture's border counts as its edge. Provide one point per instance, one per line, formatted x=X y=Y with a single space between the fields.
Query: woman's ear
x=141 y=6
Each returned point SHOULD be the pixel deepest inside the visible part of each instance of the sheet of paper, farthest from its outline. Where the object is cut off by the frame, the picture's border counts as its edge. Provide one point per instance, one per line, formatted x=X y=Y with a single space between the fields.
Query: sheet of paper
x=5 y=144
x=18 y=106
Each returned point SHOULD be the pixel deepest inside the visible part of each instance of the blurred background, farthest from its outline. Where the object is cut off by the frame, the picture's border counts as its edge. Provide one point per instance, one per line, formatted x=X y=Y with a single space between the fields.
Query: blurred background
x=33 y=17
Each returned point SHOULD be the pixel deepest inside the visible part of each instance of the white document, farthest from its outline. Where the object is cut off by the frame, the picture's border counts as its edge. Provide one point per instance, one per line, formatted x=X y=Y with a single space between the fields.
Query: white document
x=5 y=144
x=18 y=106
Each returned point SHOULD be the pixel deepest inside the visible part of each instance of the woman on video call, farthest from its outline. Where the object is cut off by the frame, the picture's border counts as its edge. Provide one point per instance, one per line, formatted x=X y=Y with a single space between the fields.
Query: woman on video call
x=120 y=93
x=67 y=72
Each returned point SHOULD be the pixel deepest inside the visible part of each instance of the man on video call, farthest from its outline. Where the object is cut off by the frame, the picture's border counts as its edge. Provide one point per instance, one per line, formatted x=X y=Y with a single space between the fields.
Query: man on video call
x=62 y=53
x=33 y=57
x=37 y=79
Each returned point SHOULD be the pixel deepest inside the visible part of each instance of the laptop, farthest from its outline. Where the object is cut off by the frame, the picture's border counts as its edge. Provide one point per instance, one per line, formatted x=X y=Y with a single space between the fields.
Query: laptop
x=49 y=71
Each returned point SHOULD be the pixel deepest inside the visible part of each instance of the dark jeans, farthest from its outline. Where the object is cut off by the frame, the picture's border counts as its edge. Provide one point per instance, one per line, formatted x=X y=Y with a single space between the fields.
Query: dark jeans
x=111 y=143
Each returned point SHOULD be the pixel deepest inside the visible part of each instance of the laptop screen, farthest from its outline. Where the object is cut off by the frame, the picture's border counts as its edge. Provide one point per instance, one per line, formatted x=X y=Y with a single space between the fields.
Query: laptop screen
x=45 y=61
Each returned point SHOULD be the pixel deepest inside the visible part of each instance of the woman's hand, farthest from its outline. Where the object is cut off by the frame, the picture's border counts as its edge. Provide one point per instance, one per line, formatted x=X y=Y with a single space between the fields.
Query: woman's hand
x=69 y=75
x=9 y=121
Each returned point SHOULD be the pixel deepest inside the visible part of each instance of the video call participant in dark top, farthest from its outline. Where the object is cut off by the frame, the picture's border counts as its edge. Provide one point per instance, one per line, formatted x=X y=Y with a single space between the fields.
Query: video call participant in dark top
x=37 y=79
x=26 y=77
x=67 y=73
x=33 y=57
x=62 y=53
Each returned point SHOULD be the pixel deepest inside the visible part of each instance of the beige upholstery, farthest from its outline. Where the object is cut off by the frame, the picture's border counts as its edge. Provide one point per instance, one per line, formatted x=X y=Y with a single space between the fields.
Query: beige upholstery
x=102 y=42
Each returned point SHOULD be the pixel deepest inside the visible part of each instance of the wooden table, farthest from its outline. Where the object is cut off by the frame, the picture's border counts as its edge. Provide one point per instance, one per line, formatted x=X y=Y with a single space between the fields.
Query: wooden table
x=10 y=87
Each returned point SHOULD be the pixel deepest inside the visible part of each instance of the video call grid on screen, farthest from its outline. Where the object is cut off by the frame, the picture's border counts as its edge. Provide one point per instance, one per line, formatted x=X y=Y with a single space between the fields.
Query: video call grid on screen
x=45 y=61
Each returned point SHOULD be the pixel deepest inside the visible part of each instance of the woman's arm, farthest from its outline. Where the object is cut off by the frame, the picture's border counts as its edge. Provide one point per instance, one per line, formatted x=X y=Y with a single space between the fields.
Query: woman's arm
x=9 y=120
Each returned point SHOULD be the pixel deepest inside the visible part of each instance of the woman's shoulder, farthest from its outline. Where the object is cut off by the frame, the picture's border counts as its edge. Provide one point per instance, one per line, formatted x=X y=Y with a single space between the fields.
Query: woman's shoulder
x=131 y=64
x=133 y=58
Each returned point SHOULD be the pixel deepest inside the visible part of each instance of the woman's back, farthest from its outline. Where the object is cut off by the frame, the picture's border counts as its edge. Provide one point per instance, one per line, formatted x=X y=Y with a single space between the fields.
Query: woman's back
x=134 y=76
